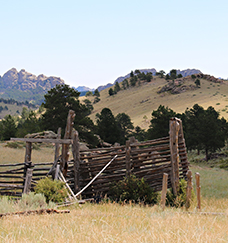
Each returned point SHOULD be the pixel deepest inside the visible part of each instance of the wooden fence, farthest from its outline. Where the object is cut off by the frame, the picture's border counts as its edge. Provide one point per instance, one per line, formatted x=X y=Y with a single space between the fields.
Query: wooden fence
x=149 y=159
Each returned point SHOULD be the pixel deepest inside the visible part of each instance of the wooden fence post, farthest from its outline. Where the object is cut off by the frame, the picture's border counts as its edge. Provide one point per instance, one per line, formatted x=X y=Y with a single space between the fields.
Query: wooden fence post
x=28 y=180
x=198 y=187
x=57 y=146
x=57 y=170
x=28 y=156
x=188 y=189
x=128 y=158
x=164 y=190
x=76 y=155
x=174 y=127
x=65 y=147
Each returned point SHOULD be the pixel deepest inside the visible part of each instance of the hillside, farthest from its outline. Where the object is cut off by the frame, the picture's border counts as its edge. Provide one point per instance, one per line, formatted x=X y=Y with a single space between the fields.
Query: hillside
x=139 y=102
x=22 y=86
x=184 y=73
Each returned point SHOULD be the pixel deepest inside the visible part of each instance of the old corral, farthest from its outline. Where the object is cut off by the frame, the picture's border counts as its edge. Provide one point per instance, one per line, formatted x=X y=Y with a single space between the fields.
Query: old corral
x=149 y=159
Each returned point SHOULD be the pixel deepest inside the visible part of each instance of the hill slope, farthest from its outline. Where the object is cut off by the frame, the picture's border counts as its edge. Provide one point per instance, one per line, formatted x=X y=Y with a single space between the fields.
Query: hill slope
x=139 y=102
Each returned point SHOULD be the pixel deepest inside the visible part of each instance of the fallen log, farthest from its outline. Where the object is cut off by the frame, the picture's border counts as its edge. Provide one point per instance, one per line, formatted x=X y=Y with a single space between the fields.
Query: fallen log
x=39 y=211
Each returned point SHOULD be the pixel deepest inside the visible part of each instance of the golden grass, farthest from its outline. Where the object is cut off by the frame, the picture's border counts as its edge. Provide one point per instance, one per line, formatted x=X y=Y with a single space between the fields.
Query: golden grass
x=12 y=155
x=139 y=102
x=115 y=223
x=128 y=223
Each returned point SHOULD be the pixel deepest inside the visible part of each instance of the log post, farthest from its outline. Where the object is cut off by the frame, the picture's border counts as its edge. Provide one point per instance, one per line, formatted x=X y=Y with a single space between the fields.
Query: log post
x=57 y=147
x=174 y=127
x=188 y=189
x=164 y=190
x=57 y=172
x=28 y=180
x=28 y=156
x=128 y=158
x=198 y=188
x=65 y=147
x=76 y=155
x=28 y=151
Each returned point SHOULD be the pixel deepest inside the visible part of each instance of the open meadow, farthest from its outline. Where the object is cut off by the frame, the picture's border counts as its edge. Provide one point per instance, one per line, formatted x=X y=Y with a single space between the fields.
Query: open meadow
x=111 y=222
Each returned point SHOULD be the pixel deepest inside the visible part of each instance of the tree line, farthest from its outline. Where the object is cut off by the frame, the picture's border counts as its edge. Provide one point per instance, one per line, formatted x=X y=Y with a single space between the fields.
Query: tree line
x=204 y=129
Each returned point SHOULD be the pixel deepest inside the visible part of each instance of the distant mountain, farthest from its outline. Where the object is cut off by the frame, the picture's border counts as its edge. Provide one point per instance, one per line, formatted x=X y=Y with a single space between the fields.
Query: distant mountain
x=188 y=72
x=83 y=88
x=152 y=70
x=23 y=86
x=120 y=79
x=102 y=87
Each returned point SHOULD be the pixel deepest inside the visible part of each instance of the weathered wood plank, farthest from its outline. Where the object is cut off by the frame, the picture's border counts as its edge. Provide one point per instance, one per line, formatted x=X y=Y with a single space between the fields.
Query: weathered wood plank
x=43 y=140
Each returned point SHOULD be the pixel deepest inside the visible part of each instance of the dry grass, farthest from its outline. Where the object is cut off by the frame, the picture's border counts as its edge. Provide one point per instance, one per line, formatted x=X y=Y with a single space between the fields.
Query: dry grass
x=130 y=101
x=115 y=223
x=128 y=223
x=12 y=155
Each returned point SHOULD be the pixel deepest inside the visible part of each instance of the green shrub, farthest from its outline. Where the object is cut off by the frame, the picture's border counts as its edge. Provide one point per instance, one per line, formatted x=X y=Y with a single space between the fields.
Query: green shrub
x=21 y=145
x=54 y=191
x=15 y=144
x=180 y=199
x=34 y=201
x=132 y=189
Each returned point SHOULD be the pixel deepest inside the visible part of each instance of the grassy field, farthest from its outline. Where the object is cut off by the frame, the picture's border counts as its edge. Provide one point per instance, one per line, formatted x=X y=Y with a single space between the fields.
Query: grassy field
x=123 y=223
x=139 y=102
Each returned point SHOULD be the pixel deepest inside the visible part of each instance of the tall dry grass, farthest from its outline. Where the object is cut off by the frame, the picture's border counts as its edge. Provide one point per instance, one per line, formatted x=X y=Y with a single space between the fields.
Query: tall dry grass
x=116 y=223
x=128 y=223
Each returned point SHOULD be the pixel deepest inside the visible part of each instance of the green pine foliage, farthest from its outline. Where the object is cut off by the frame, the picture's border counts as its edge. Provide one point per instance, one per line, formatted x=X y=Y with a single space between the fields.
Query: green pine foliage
x=180 y=199
x=132 y=189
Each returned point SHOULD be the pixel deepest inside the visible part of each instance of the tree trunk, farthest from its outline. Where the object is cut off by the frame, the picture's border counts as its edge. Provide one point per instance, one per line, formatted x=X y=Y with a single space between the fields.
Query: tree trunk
x=207 y=156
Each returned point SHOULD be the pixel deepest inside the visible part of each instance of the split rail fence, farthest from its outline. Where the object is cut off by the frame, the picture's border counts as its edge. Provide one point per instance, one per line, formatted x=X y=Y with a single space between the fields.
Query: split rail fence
x=149 y=159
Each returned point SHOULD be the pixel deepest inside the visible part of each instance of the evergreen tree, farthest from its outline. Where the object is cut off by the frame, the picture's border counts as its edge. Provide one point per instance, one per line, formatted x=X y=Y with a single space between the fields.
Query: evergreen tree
x=107 y=127
x=159 y=126
x=173 y=74
x=58 y=101
x=8 y=128
x=111 y=92
x=30 y=124
x=125 y=124
x=88 y=104
x=117 y=87
x=96 y=93
x=204 y=130
x=197 y=83
x=139 y=133
x=125 y=84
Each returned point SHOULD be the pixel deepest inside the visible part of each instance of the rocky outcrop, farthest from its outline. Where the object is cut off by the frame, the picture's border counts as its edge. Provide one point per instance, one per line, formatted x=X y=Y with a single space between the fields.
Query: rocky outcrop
x=209 y=78
x=23 y=80
x=178 y=85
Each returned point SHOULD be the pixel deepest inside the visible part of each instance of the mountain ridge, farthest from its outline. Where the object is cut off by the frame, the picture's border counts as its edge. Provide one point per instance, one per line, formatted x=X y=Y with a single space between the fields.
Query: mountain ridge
x=23 y=85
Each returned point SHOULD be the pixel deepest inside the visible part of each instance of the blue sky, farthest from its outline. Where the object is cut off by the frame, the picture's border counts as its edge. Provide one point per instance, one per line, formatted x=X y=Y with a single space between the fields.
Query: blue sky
x=91 y=43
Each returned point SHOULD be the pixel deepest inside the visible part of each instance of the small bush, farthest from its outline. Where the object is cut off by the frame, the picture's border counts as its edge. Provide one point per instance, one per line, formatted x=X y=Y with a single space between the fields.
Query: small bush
x=180 y=199
x=132 y=189
x=15 y=145
x=20 y=145
x=54 y=191
x=34 y=201
x=29 y=201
